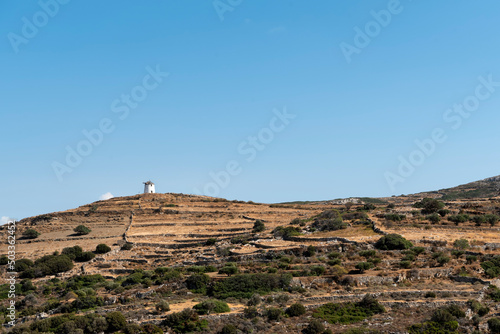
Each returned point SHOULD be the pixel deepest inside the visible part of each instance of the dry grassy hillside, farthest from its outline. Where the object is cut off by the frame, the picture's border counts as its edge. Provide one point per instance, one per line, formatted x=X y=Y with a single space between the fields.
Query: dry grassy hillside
x=160 y=243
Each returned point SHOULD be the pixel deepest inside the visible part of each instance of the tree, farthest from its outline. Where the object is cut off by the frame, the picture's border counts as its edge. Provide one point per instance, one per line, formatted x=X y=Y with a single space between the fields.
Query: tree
x=392 y=242
x=494 y=325
x=258 y=226
x=314 y=327
x=116 y=321
x=102 y=248
x=211 y=306
x=163 y=306
x=30 y=234
x=429 y=205
x=295 y=310
x=364 y=266
x=228 y=329
x=228 y=270
x=434 y=218
x=461 y=243
x=82 y=230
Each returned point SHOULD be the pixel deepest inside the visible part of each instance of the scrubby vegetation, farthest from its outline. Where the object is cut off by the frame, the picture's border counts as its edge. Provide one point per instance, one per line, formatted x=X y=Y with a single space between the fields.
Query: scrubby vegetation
x=348 y=313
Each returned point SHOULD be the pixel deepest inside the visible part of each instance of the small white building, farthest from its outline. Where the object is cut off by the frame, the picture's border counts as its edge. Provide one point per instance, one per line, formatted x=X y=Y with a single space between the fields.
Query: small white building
x=149 y=187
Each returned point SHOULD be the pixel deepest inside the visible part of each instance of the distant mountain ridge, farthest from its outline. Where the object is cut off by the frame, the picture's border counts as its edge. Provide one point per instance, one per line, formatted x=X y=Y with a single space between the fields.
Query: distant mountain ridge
x=489 y=187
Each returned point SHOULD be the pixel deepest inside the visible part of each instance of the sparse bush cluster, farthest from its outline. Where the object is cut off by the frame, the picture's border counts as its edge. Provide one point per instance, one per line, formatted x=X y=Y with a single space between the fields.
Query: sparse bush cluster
x=347 y=313
x=393 y=241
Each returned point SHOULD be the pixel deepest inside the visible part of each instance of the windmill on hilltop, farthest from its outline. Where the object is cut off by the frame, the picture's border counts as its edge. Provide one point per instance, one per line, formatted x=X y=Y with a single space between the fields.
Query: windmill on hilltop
x=149 y=187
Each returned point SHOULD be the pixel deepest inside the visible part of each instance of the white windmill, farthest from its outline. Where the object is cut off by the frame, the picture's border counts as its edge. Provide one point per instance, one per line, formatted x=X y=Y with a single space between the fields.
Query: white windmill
x=149 y=187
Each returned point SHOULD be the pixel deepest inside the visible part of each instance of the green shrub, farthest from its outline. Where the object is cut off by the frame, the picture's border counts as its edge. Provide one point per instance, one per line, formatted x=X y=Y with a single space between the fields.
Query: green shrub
x=116 y=321
x=4 y=260
x=82 y=230
x=392 y=242
x=314 y=327
x=48 y=265
x=470 y=258
x=430 y=294
x=245 y=285
x=443 y=212
x=163 y=306
x=198 y=283
x=250 y=312
x=494 y=293
x=394 y=217
x=185 y=321
x=334 y=255
x=492 y=219
x=228 y=270
x=431 y=327
x=417 y=250
x=405 y=264
x=367 y=253
x=102 y=249
x=317 y=270
x=460 y=218
x=461 y=243
x=23 y=264
x=258 y=226
x=494 y=325
x=273 y=313
x=334 y=262
x=364 y=266
x=286 y=232
x=85 y=256
x=491 y=266
x=442 y=260
x=347 y=313
x=295 y=310
x=429 y=205
x=434 y=218
x=72 y=252
x=311 y=250
x=30 y=234
x=329 y=220
x=228 y=329
x=127 y=246
x=211 y=306
x=210 y=242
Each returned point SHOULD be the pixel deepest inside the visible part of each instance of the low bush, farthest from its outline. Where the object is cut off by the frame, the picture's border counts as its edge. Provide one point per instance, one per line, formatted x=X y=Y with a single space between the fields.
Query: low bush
x=364 y=266
x=102 y=249
x=245 y=285
x=494 y=325
x=30 y=234
x=47 y=265
x=198 y=283
x=347 y=313
x=392 y=242
x=185 y=321
x=394 y=217
x=211 y=306
x=82 y=230
x=491 y=266
x=286 y=232
x=258 y=226
x=295 y=310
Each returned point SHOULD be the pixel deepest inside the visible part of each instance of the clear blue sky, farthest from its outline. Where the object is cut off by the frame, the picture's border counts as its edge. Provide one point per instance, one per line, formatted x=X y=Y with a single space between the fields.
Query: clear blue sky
x=353 y=120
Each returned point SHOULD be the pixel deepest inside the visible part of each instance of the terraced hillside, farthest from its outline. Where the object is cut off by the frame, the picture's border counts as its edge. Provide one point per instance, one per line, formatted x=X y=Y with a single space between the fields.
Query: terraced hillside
x=280 y=268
